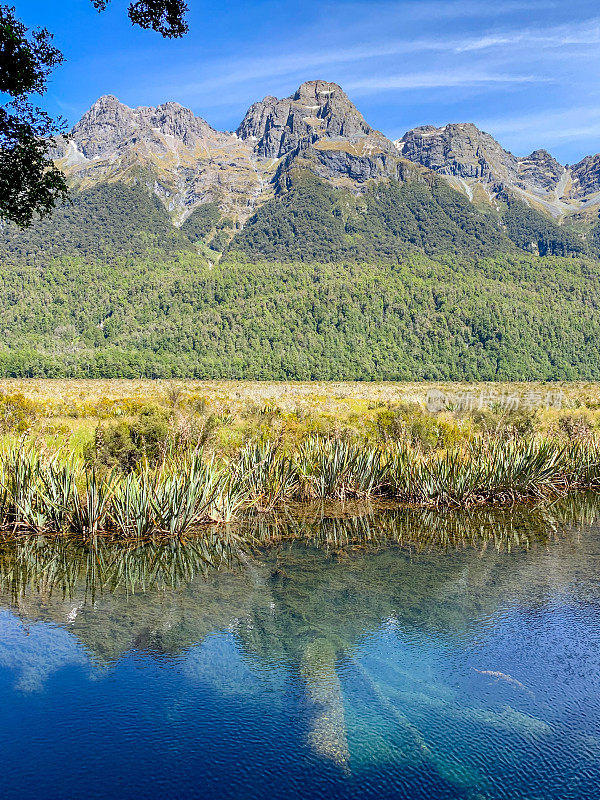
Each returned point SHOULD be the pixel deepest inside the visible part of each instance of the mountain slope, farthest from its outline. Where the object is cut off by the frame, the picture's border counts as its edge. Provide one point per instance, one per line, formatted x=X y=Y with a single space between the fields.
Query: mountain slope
x=510 y=317
x=176 y=155
x=311 y=221
x=113 y=290
x=304 y=246
x=186 y=163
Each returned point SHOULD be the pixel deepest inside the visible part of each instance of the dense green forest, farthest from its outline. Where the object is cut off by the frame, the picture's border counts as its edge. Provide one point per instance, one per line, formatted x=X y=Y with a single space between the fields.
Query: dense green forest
x=408 y=281
x=509 y=317
x=313 y=221
x=310 y=221
x=531 y=230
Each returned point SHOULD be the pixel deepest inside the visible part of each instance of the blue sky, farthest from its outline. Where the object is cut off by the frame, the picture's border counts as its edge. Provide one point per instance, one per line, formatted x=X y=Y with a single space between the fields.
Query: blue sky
x=527 y=72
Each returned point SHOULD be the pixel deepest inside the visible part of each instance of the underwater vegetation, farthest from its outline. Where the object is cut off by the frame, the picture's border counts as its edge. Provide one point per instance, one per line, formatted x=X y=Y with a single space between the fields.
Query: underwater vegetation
x=353 y=611
x=47 y=492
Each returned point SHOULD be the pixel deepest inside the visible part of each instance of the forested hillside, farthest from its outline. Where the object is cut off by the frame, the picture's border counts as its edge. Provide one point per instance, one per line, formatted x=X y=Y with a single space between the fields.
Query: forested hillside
x=312 y=221
x=405 y=281
x=508 y=317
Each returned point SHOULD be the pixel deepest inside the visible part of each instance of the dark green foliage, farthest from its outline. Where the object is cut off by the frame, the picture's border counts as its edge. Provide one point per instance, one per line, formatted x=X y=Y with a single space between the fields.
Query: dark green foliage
x=305 y=223
x=105 y=222
x=595 y=238
x=125 y=444
x=167 y=17
x=434 y=218
x=510 y=317
x=208 y=225
x=25 y=62
x=29 y=182
x=533 y=231
x=109 y=288
x=202 y=222
x=314 y=222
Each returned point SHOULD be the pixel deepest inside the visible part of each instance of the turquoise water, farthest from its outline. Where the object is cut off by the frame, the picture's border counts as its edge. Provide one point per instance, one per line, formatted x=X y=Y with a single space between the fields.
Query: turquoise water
x=388 y=654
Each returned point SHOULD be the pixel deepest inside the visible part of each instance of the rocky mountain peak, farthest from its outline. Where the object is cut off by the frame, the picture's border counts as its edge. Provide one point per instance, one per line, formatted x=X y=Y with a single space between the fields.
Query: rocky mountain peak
x=318 y=109
x=458 y=149
x=178 y=155
x=539 y=171
x=107 y=122
x=187 y=163
x=110 y=125
x=106 y=106
x=585 y=176
x=471 y=158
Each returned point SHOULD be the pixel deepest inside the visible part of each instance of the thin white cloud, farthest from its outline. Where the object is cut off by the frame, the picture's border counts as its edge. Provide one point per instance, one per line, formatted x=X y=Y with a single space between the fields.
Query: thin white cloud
x=581 y=34
x=245 y=71
x=307 y=62
x=437 y=80
x=583 y=115
x=546 y=129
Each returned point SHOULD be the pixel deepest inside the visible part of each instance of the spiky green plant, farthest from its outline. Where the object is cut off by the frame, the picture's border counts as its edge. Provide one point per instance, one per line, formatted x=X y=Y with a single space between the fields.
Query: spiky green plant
x=263 y=475
x=184 y=493
x=132 y=507
x=323 y=467
x=58 y=479
x=20 y=481
x=89 y=512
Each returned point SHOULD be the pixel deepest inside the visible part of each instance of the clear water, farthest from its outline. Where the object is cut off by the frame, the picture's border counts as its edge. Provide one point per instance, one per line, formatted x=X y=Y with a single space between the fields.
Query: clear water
x=397 y=654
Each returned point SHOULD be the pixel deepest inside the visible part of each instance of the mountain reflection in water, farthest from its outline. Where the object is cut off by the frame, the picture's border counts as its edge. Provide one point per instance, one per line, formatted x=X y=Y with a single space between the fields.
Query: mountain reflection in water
x=386 y=652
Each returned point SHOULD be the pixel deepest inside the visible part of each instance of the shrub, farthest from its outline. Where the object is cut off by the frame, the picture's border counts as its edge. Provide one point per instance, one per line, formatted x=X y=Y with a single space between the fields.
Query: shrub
x=17 y=413
x=125 y=444
x=408 y=422
x=519 y=423
x=574 y=426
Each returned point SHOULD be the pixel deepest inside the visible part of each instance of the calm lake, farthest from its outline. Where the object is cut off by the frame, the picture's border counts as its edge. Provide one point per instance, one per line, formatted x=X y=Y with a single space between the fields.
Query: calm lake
x=369 y=654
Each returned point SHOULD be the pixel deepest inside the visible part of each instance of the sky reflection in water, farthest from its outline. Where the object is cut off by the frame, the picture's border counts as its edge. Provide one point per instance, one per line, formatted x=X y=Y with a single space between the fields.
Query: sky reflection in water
x=399 y=654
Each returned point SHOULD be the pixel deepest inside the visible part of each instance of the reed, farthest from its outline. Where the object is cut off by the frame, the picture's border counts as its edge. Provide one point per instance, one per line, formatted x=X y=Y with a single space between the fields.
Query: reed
x=184 y=494
x=265 y=475
x=132 y=510
x=90 y=510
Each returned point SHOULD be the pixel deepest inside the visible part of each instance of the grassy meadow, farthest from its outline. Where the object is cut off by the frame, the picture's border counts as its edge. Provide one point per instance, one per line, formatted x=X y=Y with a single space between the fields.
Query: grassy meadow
x=70 y=411
x=138 y=458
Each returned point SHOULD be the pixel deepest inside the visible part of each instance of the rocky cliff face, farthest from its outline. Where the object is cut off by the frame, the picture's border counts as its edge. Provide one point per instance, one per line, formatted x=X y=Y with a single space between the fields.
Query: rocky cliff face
x=187 y=163
x=320 y=129
x=111 y=127
x=539 y=172
x=474 y=158
x=460 y=150
x=585 y=177
x=317 y=111
x=474 y=162
x=178 y=155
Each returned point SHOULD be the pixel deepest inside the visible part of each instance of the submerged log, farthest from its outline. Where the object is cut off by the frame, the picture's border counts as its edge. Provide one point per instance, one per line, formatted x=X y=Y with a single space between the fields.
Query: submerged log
x=327 y=731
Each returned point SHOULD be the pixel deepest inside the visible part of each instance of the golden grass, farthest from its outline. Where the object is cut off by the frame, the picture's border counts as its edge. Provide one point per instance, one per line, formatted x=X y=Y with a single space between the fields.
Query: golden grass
x=327 y=395
x=292 y=409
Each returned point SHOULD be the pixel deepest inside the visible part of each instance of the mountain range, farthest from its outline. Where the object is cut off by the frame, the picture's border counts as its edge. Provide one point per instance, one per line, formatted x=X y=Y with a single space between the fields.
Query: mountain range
x=304 y=245
x=187 y=163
